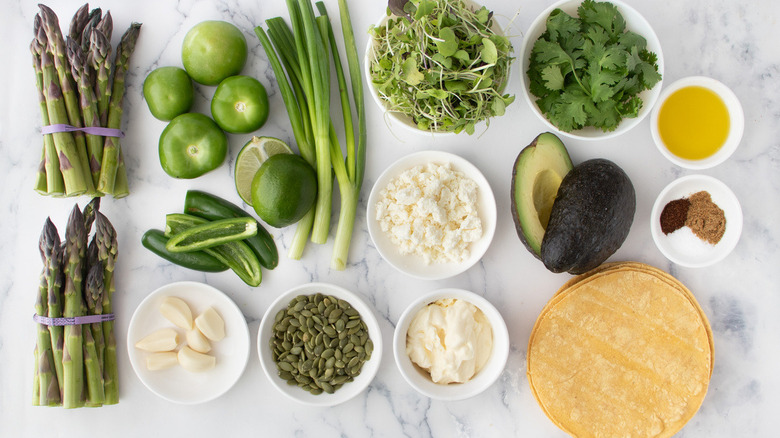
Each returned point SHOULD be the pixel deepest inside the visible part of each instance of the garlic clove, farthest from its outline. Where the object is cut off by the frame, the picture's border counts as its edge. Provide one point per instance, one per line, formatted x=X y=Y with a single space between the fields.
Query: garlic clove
x=197 y=341
x=162 y=340
x=195 y=362
x=161 y=360
x=177 y=311
x=211 y=324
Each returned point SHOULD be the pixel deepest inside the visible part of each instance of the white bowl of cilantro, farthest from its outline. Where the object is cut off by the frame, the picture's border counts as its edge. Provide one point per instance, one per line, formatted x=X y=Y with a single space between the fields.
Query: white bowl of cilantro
x=439 y=79
x=609 y=41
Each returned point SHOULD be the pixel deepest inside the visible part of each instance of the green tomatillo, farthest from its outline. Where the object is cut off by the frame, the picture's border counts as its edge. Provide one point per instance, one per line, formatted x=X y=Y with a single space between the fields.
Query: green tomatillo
x=191 y=145
x=168 y=92
x=240 y=105
x=213 y=51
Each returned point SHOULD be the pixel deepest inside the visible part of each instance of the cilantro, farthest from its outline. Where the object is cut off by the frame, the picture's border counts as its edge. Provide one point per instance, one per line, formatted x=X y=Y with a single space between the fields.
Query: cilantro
x=588 y=70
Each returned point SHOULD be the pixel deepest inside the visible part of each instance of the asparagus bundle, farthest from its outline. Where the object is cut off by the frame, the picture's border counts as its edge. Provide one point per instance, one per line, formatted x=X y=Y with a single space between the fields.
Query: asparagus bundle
x=75 y=364
x=79 y=85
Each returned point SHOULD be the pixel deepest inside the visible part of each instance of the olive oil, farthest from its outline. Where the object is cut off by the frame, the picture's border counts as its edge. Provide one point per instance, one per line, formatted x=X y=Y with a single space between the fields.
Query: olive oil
x=693 y=123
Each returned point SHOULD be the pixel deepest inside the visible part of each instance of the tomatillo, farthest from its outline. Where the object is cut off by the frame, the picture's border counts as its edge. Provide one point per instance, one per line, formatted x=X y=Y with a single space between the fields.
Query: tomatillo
x=240 y=105
x=212 y=51
x=191 y=145
x=168 y=92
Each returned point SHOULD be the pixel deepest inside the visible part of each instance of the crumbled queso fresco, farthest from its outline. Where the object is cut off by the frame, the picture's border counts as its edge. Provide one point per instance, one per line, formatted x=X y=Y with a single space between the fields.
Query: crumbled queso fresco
x=431 y=210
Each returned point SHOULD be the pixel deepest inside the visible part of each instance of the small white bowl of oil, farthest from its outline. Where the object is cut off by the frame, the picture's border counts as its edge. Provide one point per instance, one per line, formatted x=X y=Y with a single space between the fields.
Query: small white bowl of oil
x=697 y=123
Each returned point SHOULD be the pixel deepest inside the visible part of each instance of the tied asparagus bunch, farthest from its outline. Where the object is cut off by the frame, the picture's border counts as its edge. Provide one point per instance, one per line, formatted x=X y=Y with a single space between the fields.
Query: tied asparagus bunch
x=76 y=365
x=79 y=85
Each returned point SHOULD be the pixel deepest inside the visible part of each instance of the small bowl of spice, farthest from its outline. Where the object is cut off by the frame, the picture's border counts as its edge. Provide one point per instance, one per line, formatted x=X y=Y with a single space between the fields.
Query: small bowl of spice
x=698 y=122
x=696 y=221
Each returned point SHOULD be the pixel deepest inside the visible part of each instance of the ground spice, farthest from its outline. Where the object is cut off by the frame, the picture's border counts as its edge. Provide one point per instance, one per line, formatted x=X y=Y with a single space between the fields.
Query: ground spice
x=705 y=218
x=674 y=215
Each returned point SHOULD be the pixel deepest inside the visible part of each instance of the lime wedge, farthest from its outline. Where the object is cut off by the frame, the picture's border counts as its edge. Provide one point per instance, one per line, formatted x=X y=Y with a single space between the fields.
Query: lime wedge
x=251 y=157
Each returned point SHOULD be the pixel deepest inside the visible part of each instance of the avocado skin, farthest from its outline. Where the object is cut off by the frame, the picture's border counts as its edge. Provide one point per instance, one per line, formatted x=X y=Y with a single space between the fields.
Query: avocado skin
x=590 y=218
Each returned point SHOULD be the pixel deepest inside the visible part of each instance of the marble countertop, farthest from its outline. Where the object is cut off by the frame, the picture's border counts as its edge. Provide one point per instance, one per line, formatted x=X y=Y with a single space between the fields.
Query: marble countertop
x=734 y=42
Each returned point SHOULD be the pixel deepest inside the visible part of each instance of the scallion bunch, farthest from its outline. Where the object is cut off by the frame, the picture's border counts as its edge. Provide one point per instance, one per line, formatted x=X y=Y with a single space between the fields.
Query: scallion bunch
x=300 y=58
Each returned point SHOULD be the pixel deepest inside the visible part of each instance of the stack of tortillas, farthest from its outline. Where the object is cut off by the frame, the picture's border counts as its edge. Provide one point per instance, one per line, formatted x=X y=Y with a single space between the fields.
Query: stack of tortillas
x=623 y=350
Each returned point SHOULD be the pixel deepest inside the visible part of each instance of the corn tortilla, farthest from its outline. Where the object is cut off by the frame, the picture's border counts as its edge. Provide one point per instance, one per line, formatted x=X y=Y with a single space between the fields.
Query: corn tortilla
x=623 y=350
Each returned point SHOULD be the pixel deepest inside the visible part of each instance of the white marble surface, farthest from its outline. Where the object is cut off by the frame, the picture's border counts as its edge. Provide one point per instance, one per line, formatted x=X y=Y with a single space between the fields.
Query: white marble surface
x=734 y=42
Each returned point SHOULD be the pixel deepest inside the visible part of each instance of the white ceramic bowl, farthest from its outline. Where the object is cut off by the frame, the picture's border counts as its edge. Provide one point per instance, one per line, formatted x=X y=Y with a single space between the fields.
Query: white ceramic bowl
x=682 y=246
x=635 y=22
x=421 y=381
x=412 y=264
x=349 y=390
x=736 y=122
x=397 y=117
x=176 y=384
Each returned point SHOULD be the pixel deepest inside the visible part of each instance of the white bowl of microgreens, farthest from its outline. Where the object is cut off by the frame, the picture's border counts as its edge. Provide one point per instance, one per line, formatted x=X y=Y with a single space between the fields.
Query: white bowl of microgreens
x=439 y=78
x=320 y=344
x=617 y=75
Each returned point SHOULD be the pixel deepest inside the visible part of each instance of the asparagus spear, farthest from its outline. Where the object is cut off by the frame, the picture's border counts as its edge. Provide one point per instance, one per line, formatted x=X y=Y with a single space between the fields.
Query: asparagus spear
x=111 y=147
x=121 y=188
x=83 y=38
x=51 y=163
x=73 y=354
x=107 y=253
x=89 y=213
x=41 y=184
x=50 y=24
x=49 y=392
x=93 y=336
x=64 y=143
x=93 y=295
x=106 y=25
x=54 y=279
x=100 y=57
x=79 y=21
x=36 y=395
x=82 y=74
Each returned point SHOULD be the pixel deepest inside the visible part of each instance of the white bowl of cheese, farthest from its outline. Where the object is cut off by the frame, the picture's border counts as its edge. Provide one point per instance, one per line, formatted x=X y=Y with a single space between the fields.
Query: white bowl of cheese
x=431 y=215
x=451 y=344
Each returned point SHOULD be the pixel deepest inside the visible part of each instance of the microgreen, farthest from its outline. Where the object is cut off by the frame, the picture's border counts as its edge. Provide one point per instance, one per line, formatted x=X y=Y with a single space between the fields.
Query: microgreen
x=440 y=63
x=588 y=71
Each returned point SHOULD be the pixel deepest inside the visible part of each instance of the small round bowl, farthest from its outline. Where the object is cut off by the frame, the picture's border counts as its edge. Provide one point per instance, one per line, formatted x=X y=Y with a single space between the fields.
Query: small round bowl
x=176 y=384
x=349 y=390
x=421 y=381
x=682 y=246
x=411 y=264
x=635 y=22
x=736 y=120
x=398 y=117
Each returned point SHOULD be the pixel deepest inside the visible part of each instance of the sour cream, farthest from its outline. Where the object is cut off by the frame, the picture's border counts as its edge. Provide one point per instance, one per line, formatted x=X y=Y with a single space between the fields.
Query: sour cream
x=451 y=339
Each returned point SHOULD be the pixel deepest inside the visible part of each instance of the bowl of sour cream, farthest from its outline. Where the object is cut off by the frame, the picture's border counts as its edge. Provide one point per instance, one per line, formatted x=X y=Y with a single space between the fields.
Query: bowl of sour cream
x=451 y=344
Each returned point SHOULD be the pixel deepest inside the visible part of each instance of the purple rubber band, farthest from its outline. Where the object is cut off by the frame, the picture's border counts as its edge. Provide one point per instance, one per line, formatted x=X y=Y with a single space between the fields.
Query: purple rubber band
x=92 y=130
x=77 y=320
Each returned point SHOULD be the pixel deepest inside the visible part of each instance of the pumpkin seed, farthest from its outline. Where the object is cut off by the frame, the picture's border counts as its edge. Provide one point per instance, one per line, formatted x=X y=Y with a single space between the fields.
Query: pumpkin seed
x=319 y=342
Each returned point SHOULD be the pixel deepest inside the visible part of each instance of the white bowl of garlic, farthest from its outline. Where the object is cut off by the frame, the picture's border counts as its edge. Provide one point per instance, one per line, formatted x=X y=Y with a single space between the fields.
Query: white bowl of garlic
x=188 y=342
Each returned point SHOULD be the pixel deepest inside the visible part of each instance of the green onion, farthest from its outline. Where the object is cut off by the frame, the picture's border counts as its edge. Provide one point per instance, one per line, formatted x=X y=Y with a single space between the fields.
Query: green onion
x=303 y=74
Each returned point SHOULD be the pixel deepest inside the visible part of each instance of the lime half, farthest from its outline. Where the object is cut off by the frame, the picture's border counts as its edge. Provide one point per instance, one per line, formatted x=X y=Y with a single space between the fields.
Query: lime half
x=251 y=157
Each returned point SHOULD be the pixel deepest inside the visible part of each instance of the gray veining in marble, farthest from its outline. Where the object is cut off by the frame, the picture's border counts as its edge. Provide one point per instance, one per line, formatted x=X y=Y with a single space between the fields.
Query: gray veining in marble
x=735 y=42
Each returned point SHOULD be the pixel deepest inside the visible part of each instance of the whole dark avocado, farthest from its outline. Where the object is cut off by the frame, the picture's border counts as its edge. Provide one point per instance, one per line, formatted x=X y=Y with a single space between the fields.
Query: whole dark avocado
x=590 y=218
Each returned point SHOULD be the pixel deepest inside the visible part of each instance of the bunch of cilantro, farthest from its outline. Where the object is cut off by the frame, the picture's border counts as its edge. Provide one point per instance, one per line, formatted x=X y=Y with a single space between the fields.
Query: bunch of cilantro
x=589 y=71
x=440 y=63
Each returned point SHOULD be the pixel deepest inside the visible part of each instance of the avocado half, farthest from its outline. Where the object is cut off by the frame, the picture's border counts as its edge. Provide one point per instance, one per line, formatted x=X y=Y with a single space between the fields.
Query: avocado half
x=538 y=172
x=590 y=219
